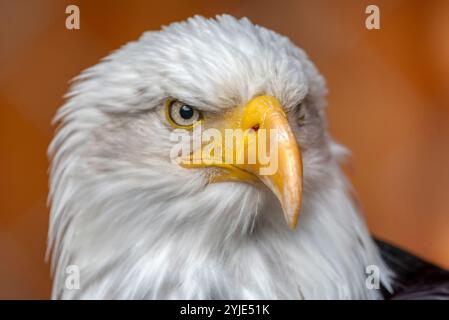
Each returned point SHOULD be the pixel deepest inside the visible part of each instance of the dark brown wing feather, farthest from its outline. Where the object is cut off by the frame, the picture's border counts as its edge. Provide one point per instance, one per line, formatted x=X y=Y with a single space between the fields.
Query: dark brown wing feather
x=416 y=279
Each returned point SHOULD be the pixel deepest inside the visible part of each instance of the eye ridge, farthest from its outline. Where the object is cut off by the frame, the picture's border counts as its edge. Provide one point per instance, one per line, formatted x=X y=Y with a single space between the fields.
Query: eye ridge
x=301 y=113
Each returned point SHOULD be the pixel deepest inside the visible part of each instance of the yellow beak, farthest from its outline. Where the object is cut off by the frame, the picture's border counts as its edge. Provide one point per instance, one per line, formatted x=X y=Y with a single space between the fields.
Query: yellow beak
x=255 y=143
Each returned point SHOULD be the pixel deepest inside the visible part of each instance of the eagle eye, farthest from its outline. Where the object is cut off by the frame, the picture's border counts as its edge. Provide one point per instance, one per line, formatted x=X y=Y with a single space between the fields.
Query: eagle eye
x=181 y=115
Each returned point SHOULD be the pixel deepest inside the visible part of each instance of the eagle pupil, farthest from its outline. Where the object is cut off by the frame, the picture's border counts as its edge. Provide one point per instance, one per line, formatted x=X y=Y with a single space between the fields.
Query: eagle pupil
x=186 y=112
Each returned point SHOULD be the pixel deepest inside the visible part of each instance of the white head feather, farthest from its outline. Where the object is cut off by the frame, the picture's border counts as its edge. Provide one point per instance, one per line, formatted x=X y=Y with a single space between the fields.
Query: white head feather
x=139 y=226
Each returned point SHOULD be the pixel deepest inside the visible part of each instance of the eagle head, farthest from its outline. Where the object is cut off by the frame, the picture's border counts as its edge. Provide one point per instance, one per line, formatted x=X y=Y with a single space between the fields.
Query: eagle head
x=144 y=212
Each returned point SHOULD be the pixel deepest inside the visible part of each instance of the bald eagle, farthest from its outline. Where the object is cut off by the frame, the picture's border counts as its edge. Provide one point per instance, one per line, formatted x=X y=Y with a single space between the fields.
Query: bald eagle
x=141 y=226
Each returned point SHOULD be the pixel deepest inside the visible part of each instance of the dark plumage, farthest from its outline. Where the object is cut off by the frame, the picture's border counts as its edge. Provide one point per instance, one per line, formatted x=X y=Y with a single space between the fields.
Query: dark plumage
x=416 y=278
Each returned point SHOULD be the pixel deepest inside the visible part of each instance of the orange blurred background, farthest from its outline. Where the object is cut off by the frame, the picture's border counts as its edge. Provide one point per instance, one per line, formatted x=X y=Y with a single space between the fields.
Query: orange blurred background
x=388 y=103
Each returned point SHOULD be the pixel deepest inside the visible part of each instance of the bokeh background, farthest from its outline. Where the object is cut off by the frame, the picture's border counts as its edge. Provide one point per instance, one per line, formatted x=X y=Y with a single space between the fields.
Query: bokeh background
x=388 y=103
